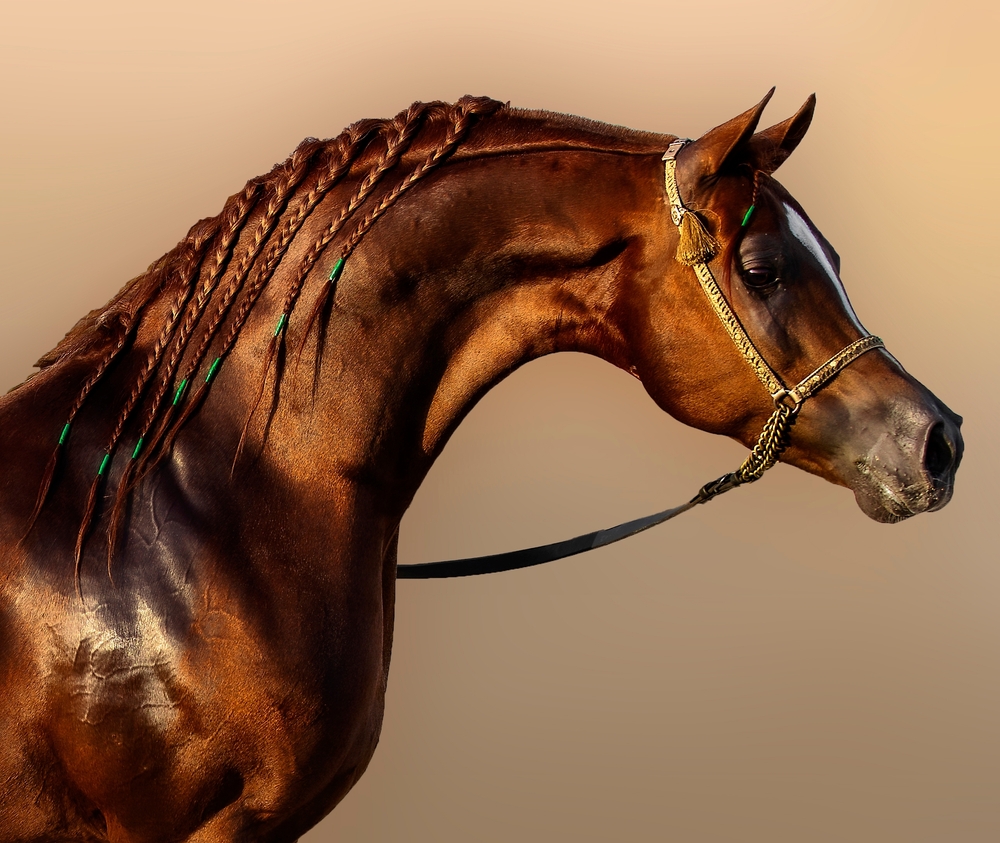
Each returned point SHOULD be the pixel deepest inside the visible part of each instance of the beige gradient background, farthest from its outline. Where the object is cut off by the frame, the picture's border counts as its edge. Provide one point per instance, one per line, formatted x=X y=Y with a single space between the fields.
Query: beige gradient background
x=774 y=667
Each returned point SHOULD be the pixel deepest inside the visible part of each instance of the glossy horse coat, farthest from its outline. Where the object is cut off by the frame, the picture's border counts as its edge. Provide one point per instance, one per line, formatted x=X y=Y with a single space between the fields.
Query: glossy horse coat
x=204 y=483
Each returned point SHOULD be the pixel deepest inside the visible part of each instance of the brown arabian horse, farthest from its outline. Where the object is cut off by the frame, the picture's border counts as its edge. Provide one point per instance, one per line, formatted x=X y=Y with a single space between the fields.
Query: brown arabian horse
x=202 y=486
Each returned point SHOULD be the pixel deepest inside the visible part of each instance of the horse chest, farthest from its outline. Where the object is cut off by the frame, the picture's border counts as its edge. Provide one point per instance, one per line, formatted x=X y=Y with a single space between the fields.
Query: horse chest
x=149 y=690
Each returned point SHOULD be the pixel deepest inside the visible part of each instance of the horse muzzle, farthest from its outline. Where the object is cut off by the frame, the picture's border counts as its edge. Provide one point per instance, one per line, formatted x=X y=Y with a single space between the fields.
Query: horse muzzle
x=911 y=467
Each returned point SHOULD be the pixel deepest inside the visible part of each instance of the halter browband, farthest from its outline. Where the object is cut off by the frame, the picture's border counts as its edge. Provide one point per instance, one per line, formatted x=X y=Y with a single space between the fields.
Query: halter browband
x=770 y=444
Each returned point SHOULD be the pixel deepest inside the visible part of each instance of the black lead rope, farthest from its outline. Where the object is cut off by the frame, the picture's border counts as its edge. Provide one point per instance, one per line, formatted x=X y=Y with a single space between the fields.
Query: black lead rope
x=531 y=556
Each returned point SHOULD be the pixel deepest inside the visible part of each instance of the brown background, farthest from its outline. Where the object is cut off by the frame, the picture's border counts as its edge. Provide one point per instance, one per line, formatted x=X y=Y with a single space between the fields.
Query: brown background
x=774 y=667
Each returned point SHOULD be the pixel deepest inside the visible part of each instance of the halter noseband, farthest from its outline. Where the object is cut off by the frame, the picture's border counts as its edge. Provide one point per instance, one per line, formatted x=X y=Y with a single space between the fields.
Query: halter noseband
x=773 y=438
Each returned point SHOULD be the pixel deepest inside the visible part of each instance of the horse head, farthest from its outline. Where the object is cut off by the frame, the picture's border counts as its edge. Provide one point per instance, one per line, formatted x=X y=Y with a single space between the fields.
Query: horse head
x=873 y=427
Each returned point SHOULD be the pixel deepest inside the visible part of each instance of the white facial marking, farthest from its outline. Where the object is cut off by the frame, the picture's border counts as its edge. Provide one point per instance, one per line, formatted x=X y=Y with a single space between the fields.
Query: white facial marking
x=804 y=234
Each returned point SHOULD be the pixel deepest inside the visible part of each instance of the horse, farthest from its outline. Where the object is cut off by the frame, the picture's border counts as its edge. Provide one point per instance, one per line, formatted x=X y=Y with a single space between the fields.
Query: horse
x=203 y=482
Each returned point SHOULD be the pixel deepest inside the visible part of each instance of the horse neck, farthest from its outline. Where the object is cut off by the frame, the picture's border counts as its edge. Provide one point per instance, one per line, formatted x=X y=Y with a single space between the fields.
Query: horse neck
x=499 y=261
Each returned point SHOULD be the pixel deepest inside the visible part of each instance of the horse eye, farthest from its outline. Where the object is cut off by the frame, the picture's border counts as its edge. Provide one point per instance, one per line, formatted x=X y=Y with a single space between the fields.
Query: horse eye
x=760 y=277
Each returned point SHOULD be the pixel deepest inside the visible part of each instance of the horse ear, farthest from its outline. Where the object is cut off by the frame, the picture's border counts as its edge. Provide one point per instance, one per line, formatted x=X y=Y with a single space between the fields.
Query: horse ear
x=771 y=147
x=724 y=144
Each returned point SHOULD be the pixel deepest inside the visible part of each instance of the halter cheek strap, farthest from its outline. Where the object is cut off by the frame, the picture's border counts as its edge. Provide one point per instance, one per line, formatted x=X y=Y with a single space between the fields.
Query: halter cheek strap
x=787 y=401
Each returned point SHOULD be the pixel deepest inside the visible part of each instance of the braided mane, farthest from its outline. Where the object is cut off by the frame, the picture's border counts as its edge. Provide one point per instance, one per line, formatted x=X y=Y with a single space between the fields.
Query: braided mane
x=216 y=274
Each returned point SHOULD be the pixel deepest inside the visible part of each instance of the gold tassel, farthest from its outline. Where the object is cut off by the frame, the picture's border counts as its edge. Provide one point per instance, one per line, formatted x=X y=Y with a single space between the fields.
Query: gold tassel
x=696 y=245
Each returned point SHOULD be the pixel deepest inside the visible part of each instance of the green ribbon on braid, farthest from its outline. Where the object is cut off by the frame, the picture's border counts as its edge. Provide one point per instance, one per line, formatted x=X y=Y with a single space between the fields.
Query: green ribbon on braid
x=338 y=267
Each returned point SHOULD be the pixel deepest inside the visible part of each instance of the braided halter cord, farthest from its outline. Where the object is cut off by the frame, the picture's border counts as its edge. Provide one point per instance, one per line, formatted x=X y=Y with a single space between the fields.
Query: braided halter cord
x=772 y=441
x=774 y=437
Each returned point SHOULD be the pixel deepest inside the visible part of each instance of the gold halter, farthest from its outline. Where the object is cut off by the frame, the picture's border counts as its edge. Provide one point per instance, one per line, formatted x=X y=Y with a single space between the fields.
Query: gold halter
x=773 y=438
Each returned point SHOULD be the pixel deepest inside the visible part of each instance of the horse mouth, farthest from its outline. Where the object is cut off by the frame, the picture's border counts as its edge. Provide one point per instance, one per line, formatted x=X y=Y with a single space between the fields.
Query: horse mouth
x=884 y=498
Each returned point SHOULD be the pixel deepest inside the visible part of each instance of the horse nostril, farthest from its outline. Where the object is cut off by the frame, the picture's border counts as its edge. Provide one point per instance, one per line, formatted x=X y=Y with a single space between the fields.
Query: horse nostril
x=939 y=456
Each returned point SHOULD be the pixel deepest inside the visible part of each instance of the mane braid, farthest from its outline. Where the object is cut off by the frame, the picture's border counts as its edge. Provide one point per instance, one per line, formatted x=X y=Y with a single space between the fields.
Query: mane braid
x=210 y=252
x=462 y=118
x=461 y=115
x=730 y=250
x=127 y=306
x=350 y=145
x=235 y=214
x=398 y=132
x=50 y=468
x=288 y=176
x=194 y=252
x=341 y=154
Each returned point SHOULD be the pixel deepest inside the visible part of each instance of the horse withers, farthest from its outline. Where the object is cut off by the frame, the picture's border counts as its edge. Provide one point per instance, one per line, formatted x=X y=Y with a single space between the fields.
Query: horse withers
x=203 y=484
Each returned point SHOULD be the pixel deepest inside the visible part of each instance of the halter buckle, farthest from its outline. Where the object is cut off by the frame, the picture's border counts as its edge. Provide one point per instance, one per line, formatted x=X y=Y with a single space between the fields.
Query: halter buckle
x=674 y=148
